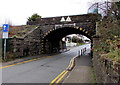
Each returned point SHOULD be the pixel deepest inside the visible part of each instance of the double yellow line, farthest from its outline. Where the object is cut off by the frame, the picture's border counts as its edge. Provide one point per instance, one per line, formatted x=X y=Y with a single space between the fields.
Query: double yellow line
x=26 y=61
x=61 y=75
x=59 y=78
x=71 y=65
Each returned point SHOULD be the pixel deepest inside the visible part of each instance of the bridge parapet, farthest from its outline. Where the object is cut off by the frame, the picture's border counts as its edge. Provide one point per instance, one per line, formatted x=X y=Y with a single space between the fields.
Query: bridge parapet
x=57 y=20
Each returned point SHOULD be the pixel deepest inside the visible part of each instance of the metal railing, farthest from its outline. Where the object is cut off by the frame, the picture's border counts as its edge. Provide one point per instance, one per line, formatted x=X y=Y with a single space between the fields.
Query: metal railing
x=82 y=52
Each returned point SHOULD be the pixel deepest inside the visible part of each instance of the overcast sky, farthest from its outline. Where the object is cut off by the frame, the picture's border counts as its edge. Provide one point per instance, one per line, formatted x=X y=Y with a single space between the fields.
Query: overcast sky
x=17 y=11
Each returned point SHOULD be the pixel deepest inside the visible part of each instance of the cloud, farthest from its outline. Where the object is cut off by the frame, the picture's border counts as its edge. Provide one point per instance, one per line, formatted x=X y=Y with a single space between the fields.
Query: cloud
x=17 y=11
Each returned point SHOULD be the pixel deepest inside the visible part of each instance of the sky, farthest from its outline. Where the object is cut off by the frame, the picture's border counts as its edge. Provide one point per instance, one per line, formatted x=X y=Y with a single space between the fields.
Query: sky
x=16 y=12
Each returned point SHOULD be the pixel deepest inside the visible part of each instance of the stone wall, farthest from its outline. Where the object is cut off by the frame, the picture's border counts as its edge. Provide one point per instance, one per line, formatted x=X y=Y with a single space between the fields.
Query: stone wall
x=86 y=21
x=28 y=45
x=57 y=20
x=106 y=70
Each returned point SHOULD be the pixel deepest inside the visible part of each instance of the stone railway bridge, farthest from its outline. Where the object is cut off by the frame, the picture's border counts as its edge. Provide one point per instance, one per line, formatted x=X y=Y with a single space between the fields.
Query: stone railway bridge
x=48 y=33
x=45 y=34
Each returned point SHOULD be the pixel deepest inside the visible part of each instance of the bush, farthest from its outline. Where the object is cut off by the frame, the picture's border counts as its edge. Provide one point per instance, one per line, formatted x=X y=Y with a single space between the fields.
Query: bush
x=109 y=32
x=34 y=17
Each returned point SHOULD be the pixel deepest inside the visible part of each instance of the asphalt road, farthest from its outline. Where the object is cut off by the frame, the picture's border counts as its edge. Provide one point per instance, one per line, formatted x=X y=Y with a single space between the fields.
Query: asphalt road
x=40 y=71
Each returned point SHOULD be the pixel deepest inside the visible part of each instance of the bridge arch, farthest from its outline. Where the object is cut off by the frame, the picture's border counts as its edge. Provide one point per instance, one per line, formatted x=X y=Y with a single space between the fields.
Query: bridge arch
x=52 y=37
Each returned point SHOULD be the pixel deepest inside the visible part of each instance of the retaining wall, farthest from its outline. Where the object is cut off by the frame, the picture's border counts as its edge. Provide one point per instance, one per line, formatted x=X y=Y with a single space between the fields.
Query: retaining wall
x=106 y=70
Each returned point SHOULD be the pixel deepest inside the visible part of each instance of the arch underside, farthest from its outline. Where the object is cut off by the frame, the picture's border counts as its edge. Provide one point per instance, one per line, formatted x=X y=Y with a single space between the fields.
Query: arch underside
x=53 y=38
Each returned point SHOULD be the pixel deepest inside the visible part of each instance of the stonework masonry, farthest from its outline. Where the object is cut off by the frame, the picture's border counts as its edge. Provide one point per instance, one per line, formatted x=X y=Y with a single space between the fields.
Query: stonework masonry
x=27 y=45
x=106 y=70
x=34 y=41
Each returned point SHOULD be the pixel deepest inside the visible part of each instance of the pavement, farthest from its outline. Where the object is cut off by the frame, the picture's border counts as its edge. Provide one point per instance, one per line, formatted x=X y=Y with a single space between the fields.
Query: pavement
x=82 y=72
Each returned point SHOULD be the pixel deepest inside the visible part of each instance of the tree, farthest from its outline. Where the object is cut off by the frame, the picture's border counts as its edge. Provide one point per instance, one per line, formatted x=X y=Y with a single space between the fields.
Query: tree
x=34 y=17
x=76 y=39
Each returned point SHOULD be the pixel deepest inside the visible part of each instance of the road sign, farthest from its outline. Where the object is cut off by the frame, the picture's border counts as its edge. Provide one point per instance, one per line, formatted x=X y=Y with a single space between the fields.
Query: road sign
x=62 y=19
x=68 y=19
x=5 y=29
x=5 y=35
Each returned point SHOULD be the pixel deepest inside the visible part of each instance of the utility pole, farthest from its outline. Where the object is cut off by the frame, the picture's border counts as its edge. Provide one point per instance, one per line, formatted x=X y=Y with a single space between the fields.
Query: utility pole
x=4 y=49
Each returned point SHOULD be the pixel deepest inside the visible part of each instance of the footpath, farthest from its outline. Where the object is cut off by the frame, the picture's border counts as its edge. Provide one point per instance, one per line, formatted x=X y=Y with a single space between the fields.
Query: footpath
x=82 y=72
